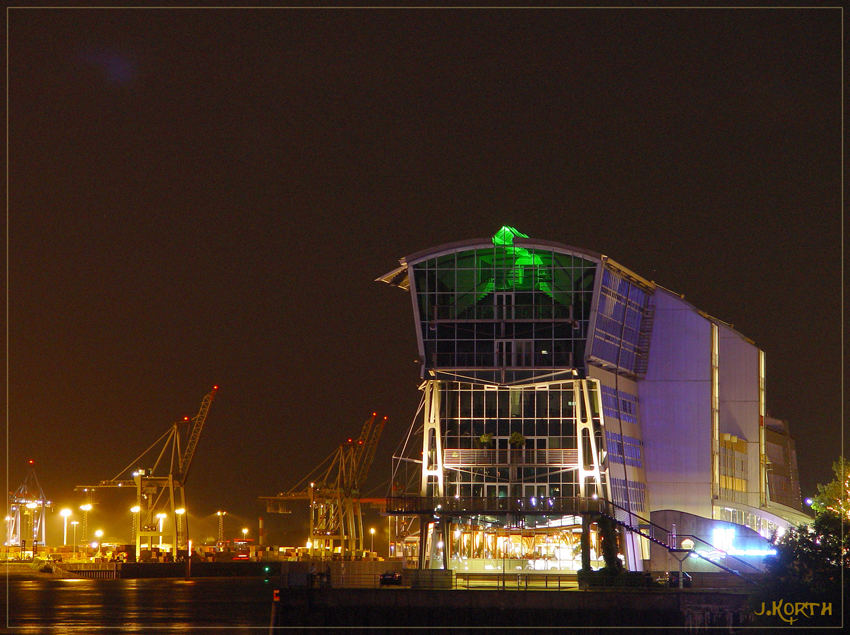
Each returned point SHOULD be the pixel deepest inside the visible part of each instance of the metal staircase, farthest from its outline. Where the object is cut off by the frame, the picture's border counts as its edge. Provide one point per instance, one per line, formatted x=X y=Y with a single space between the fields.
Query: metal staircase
x=661 y=536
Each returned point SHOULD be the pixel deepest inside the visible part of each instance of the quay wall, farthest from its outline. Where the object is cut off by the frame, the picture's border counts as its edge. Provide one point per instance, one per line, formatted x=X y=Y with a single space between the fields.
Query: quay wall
x=496 y=608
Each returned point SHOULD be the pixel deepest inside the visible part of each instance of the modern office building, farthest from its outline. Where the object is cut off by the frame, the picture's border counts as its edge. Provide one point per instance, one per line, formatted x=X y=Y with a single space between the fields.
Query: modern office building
x=554 y=381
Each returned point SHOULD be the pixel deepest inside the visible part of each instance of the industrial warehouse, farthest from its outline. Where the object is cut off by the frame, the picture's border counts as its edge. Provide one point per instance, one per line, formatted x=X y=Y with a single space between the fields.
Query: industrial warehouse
x=560 y=388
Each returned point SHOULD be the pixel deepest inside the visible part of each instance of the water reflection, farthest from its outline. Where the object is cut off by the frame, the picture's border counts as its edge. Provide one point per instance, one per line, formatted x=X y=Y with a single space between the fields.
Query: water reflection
x=137 y=606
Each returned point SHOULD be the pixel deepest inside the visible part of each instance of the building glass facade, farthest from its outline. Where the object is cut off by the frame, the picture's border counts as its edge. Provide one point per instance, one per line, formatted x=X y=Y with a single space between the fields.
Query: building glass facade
x=540 y=390
x=504 y=312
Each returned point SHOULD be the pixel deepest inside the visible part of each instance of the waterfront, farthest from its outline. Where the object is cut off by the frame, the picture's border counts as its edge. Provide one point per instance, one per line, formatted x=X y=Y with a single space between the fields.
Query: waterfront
x=39 y=604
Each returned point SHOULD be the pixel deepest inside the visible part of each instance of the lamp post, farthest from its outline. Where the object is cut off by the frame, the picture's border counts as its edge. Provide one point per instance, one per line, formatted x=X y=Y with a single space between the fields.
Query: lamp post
x=221 y=514
x=65 y=513
x=74 y=524
x=161 y=517
x=135 y=509
x=371 y=539
x=85 y=509
x=180 y=511
x=98 y=534
x=244 y=533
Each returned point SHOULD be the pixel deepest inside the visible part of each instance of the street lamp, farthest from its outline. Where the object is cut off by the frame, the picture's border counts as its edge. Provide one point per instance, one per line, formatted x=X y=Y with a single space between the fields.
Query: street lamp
x=65 y=513
x=372 y=539
x=179 y=511
x=85 y=509
x=221 y=514
x=74 y=524
x=135 y=509
x=244 y=533
x=161 y=517
x=98 y=534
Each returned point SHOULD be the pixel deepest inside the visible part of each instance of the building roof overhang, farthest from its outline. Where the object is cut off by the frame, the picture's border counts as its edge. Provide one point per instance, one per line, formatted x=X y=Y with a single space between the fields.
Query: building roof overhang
x=398 y=277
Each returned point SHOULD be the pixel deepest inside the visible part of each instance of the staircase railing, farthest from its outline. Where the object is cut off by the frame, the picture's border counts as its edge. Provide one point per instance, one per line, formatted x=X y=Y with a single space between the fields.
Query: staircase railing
x=655 y=532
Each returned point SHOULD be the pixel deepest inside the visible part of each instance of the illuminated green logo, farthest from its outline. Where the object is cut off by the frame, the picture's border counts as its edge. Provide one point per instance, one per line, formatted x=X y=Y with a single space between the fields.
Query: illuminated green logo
x=505 y=236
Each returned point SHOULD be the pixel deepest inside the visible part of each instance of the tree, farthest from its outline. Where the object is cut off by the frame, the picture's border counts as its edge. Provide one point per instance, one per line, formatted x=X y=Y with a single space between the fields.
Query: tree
x=807 y=567
x=834 y=496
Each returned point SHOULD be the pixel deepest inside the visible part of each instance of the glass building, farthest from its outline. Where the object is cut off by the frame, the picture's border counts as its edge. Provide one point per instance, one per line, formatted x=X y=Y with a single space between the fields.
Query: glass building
x=547 y=371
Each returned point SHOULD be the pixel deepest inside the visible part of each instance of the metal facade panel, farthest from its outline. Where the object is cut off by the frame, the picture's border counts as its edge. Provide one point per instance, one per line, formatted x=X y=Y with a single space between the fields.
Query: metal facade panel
x=675 y=407
x=739 y=400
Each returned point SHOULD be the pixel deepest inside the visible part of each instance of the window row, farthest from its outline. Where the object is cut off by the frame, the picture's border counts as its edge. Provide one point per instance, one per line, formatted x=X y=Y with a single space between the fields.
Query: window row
x=631 y=494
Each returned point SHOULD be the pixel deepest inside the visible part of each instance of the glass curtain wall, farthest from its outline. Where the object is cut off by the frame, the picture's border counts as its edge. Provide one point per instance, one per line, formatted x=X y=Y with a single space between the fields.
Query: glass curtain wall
x=517 y=442
x=617 y=339
x=504 y=312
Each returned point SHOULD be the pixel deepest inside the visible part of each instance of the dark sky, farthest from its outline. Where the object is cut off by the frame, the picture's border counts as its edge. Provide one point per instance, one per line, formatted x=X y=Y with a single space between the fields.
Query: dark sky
x=206 y=196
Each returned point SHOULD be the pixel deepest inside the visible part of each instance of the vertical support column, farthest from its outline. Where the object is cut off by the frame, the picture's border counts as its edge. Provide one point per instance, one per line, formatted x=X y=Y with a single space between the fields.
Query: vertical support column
x=763 y=491
x=447 y=545
x=137 y=476
x=432 y=443
x=588 y=453
x=431 y=483
x=312 y=538
x=715 y=411
x=585 y=541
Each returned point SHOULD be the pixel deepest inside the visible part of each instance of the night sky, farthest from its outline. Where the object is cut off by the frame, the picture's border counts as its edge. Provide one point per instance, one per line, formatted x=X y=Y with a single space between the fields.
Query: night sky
x=202 y=197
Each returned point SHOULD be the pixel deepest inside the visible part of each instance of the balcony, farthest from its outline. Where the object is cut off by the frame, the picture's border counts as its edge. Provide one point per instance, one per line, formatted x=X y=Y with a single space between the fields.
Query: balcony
x=474 y=505
x=564 y=458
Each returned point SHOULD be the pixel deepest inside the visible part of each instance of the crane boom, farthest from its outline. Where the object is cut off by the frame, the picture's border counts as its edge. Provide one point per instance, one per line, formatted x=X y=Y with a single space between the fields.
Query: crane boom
x=369 y=435
x=336 y=518
x=195 y=435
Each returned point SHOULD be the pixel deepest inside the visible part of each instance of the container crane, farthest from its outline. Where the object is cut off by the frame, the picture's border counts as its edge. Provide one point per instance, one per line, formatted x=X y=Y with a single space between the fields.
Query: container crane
x=332 y=490
x=28 y=502
x=160 y=489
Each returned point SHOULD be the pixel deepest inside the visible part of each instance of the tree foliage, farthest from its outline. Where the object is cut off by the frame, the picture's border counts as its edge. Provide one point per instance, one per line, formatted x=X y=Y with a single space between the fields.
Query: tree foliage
x=812 y=559
x=834 y=496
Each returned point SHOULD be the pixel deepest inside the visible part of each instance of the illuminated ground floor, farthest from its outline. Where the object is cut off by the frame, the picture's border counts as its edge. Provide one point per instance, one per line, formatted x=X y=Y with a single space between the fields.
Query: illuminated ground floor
x=492 y=545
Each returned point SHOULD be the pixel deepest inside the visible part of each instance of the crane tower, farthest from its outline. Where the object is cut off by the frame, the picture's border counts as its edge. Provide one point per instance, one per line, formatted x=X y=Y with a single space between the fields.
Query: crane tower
x=27 y=504
x=160 y=489
x=332 y=490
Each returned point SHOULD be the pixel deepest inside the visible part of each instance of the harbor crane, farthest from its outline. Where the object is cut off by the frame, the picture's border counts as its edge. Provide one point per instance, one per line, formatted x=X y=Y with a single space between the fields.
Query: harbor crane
x=332 y=490
x=27 y=503
x=160 y=488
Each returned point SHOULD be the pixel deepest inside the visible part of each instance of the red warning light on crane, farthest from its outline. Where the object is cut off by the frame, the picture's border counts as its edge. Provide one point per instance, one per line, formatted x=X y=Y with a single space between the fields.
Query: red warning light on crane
x=185 y=418
x=31 y=462
x=215 y=387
